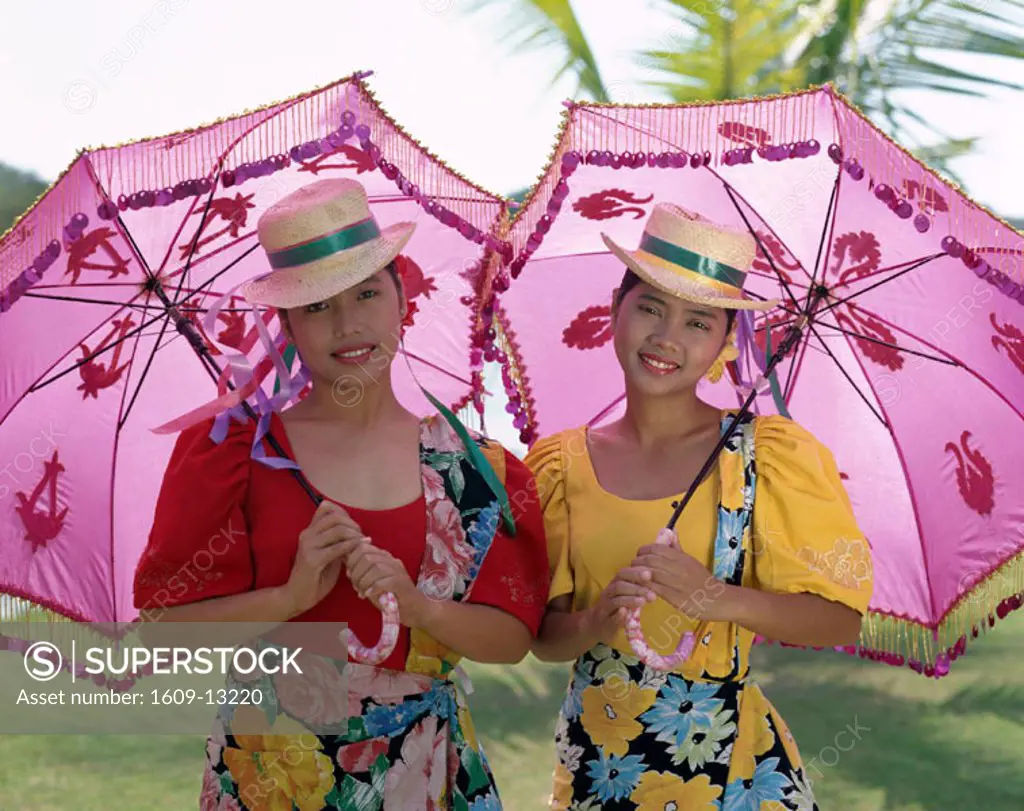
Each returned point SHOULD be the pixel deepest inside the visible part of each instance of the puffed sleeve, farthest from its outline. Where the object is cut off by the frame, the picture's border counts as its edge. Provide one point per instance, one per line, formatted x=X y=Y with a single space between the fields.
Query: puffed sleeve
x=514 y=574
x=546 y=460
x=806 y=537
x=198 y=545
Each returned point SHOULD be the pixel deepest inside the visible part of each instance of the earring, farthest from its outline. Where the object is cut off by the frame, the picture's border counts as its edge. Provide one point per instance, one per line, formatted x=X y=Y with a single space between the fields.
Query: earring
x=729 y=353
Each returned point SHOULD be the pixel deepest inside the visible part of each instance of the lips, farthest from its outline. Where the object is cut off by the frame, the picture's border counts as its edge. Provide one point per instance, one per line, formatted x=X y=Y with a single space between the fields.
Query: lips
x=657 y=365
x=354 y=354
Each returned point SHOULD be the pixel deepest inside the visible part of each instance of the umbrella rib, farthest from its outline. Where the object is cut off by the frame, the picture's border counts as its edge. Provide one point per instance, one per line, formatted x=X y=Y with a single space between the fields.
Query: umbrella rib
x=142 y=378
x=606 y=409
x=30 y=294
x=96 y=354
x=203 y=259
x=113 y=473
x=959 y=362
x=898 y=266
x=829 y=225
x=199 y=290
x=880 y=282
x=435 y=367
x=199 y=230
x=850 y=380
x=880 y=342
x=768 y=256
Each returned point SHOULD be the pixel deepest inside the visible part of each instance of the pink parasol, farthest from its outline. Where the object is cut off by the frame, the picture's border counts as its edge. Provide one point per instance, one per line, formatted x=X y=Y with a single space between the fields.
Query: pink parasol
x=118 y=314
x=903 y=306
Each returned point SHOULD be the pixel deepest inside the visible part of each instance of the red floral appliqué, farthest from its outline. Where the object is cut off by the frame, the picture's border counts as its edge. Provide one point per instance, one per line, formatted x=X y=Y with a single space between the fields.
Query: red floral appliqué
x=783 y=261
x=83 y=248
x=41 y=527
x=358 y=159
x=1011 y=339
x=96 y=375
x=850 y=248
x=232 y=210
x=604 y=205
x=745 y=134
x=973 y=475
x=857 y=321
x=590 y=329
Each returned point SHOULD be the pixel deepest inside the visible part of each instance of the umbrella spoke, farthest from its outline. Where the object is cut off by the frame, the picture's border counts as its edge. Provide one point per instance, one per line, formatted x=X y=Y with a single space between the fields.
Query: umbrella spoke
x=93 y=355
x=606 y=410
x=30 y=294
x=880 y=342
x=846 y=374
x=142 y=377
x=768 y=256
x=204 y=259
x=434 y=366
x=200 y=291
x=879 y=283
x=826 y=232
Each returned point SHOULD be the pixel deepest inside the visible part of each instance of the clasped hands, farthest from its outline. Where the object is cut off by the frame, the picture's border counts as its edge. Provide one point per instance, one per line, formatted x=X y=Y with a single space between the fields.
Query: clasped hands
x=664 y=571
x=333 y=540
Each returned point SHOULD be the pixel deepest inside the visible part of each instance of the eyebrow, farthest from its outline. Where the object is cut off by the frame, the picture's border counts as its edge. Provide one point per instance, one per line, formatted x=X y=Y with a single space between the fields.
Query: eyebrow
x=693 y=311
x=703 y=313
x=655 y=299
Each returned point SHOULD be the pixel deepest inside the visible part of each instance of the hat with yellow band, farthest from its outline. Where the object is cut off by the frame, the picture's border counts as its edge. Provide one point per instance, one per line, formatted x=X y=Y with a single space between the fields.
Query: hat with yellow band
x=686 y=255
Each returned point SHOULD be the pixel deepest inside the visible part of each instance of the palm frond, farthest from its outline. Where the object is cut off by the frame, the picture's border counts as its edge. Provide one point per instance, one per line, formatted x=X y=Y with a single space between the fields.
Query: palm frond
x=550 y=24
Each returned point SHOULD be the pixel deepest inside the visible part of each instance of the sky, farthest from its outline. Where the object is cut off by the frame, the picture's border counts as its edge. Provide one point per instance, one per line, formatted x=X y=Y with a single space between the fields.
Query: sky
x=89 y=74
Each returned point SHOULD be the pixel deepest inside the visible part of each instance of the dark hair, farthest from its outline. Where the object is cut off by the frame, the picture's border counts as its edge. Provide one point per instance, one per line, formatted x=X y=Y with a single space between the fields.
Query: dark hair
x=631 y=280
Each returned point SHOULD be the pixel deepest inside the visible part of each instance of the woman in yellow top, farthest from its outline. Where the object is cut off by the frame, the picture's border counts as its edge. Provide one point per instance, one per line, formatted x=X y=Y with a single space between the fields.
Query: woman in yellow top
x=768 y=545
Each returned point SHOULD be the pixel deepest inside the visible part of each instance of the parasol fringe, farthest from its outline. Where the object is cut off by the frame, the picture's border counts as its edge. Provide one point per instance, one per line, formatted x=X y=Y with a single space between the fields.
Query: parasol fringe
x=929 y=650
x=436 y=177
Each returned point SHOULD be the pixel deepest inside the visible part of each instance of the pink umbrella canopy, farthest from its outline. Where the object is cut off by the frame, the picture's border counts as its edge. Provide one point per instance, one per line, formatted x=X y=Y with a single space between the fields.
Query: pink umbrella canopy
x=910 y=367
x=137 y=247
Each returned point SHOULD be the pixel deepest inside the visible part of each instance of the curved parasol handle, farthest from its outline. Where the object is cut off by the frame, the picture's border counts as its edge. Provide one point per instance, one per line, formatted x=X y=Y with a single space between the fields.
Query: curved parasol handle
x=635 y=634
x=388 y=636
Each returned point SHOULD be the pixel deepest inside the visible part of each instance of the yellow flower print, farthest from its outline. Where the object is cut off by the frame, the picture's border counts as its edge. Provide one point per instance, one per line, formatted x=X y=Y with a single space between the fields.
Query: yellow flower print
x=848 y=563
x=281 y=769
x=609 y=717
x=662 y=791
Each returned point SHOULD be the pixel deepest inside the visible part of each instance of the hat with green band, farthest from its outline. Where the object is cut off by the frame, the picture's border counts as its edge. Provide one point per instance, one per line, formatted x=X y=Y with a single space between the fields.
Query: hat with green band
x=321 y=240
x=688 y=256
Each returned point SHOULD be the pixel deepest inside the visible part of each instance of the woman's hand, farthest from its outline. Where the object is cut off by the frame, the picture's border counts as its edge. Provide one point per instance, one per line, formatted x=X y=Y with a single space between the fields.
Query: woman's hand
x=374 y=571
x=630 y=588
x=683 y=581
x=323 y=546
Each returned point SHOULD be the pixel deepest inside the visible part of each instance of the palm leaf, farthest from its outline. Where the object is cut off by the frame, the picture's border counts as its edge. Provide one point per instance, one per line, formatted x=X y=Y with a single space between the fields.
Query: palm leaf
x=553 y=24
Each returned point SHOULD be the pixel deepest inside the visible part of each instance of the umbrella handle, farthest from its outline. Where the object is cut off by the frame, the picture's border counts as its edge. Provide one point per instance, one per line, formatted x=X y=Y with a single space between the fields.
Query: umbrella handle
x=635 y=634
x=388 y=636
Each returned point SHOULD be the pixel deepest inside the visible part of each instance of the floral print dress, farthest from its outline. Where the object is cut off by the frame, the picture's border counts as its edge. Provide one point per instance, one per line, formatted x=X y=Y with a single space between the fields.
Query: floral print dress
x=705 y=736
x=350 y=736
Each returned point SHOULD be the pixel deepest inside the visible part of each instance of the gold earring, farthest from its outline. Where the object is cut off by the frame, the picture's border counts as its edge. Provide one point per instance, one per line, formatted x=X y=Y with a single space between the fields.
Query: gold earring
x=717 y=369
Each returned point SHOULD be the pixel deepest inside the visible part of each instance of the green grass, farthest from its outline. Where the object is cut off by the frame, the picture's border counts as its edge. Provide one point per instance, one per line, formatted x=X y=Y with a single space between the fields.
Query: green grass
x=925 y=745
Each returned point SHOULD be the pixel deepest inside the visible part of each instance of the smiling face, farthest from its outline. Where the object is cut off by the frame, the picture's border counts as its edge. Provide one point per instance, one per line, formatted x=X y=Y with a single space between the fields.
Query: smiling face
x=353 y=335
x=665 y=344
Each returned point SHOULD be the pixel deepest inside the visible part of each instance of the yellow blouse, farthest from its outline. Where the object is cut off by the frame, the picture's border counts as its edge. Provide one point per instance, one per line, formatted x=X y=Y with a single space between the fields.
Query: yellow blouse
x=805 y=537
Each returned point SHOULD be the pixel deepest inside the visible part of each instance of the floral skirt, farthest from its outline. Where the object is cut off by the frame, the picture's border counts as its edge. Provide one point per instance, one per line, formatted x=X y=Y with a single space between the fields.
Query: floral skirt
x=631 y=737
x=408 y=743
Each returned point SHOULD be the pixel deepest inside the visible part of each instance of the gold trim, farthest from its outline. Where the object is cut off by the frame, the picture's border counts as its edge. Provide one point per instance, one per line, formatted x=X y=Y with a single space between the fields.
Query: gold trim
x=928 y=169
x=828 y=88
x=355 y=78
x=885 y=633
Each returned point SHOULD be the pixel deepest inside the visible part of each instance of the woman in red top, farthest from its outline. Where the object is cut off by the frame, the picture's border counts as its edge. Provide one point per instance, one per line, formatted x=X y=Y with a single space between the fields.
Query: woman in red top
x=236 y=539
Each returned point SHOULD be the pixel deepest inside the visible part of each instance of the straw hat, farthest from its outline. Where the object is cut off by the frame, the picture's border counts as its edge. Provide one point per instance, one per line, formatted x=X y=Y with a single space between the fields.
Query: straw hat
x=686 y=255
x=321 y=240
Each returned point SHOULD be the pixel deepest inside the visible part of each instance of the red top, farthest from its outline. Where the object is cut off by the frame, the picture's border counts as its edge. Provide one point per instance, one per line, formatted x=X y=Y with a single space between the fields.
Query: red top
x=225 y=524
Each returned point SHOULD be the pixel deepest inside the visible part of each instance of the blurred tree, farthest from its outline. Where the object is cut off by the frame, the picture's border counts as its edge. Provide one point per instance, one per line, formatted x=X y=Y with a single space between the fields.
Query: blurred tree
x=872 y=50
x=18 y=190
